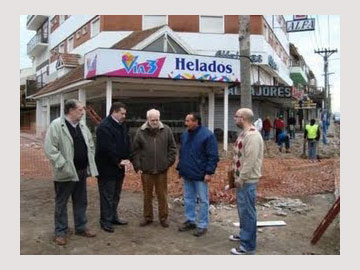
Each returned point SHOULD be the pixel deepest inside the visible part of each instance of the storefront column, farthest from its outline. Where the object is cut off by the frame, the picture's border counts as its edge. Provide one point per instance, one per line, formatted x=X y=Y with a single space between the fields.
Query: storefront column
x=82 y=99
x=226 y=117
x=211 y=111
x=47 y=112
x=38 y=118
x=108 y=96
x=61 y=104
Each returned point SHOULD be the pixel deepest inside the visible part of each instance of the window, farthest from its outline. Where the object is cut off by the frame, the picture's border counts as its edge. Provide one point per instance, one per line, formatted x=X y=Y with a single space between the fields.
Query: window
x=95 y=27
x=266 y=32
x=212 y=24
x=151 y=21
x=62 y=48
x=78 y=34
x=84 y=30
x=70 y=46
x=61 y=19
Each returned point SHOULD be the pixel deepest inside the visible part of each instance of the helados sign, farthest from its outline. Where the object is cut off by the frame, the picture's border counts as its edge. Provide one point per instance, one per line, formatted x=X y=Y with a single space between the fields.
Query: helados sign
x=120 y=63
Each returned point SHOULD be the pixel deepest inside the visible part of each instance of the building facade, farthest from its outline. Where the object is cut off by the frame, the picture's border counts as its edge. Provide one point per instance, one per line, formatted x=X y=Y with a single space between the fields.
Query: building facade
x=62 y=42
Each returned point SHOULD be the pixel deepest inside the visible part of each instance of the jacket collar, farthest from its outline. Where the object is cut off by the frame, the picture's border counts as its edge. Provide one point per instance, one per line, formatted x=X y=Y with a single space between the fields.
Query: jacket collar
x=146 y=125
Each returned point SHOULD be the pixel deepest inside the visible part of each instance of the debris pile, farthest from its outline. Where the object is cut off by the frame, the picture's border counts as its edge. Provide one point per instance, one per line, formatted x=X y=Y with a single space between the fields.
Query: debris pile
x=282 y=206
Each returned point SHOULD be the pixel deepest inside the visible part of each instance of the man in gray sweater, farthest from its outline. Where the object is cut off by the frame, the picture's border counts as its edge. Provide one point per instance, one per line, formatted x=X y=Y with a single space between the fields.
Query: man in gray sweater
x=154 y=151
x=246 y=168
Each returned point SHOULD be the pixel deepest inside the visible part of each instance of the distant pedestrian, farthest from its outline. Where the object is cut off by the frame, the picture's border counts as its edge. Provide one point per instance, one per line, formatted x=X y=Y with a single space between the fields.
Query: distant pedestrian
x=112 y=154
x=70 y=147
x=312 y=135
x=154 y=151
x=246 y=166
x=278 y=125
x=197 y=164
x=283 y=138
x=291 y=126
x=267 y=128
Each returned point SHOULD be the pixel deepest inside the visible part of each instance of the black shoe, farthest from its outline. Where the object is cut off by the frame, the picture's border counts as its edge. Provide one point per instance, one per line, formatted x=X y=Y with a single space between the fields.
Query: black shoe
x=107 y=228
x=119 y=221
x=200 y=231
x=187 y=226
x=145 y=223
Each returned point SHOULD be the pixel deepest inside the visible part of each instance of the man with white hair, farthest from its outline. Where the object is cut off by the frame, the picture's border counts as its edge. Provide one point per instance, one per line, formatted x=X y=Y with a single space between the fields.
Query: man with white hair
x=154 y=151
x=246 y=169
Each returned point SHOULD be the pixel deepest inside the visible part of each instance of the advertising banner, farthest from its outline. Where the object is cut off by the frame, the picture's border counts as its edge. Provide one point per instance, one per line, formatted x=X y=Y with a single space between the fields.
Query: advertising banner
x=141 y=64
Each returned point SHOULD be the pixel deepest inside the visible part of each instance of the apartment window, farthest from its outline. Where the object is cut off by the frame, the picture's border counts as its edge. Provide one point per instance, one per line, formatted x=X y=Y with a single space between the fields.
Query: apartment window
x=151 y=21
x=212 y=24
x=61 y=19
x=78 y=34
x=266 y=32
x=84 y=30
x=70 y=44
x=62 y=48
x=95 y=27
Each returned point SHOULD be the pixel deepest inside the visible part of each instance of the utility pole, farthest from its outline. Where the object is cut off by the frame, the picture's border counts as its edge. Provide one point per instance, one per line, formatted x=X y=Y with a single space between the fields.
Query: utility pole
x=326 y=53
x=245 y=64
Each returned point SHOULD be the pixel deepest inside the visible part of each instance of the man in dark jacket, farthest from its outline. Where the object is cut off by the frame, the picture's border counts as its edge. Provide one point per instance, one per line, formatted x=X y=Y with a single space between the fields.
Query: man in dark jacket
x=112 y=153
x=154 y=151
x=197 y=163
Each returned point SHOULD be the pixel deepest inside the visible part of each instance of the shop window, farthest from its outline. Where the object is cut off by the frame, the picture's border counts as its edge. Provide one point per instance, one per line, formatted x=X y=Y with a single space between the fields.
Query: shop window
x=151 y=21
x=212 y=24
x=95 y=27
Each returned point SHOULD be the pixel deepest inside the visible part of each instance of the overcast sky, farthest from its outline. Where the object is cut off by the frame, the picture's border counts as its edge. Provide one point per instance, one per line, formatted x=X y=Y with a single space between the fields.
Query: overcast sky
x=326 y=35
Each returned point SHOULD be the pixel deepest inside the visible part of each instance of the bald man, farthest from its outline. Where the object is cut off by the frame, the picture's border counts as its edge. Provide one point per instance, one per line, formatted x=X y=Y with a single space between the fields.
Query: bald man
x=246 y=166
x=154 y=151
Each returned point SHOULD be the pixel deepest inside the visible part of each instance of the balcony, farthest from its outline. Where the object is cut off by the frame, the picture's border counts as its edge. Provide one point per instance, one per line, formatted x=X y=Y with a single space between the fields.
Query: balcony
x=37 y=44
x=34 y=22
x=298 y=73
x=32 y=86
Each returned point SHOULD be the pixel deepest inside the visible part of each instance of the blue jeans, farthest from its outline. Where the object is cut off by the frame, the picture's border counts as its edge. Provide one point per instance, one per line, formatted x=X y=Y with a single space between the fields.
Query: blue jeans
x=246 y=205
x=324 y=132
x=312 y=149
x=266 y=135
x=192 y=191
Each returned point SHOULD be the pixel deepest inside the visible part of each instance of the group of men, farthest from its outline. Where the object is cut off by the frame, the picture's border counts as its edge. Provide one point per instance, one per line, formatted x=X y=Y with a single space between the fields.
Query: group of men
x=70 y=147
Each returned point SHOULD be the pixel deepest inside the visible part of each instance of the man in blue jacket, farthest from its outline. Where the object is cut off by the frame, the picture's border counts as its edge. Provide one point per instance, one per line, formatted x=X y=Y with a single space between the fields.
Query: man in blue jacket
x=197 y=163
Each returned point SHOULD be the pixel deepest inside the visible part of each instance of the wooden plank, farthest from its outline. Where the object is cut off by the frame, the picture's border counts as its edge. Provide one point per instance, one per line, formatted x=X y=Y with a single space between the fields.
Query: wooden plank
x=265 y=223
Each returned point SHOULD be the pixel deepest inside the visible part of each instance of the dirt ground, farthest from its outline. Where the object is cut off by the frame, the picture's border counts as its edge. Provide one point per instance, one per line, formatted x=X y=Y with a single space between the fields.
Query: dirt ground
x=36 y=227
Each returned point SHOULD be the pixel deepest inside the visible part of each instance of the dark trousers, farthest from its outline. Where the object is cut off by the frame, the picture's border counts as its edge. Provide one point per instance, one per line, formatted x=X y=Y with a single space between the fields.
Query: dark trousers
x=109 y=189
x=77 y=191
x=159 y=181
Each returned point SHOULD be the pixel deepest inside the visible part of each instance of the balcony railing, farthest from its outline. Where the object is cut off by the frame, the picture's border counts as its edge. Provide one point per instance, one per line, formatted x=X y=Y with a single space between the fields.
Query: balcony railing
x=37 y=39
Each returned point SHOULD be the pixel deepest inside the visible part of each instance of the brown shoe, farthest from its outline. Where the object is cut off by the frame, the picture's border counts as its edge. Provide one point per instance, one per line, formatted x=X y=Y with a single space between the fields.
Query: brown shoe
x=86 y=233
x=60 y=240
x=164 y=223
x=145 y=223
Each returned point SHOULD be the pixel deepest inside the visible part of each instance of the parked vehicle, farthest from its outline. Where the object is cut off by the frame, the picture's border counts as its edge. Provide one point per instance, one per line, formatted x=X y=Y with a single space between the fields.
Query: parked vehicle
x=337 y=118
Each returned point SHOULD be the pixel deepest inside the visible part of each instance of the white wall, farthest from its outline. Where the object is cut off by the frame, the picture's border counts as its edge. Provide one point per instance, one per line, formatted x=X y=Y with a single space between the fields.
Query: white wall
x=67 y=28
x=104 y=39
x=279 y=33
